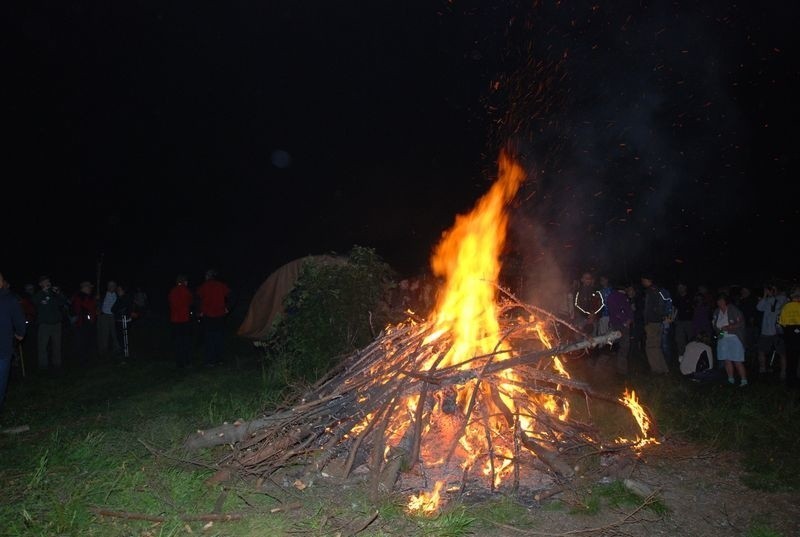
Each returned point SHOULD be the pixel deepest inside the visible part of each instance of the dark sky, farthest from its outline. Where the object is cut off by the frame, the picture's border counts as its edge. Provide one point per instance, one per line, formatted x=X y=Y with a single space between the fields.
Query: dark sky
x=176 y=136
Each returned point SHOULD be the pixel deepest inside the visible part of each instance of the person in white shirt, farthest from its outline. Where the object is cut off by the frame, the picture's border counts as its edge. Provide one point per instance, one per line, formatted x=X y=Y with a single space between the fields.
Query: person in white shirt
x=106 y=330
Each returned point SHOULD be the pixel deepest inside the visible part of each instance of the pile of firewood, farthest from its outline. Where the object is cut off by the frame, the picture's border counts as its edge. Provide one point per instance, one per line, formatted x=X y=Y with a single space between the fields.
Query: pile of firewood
x=358 y=417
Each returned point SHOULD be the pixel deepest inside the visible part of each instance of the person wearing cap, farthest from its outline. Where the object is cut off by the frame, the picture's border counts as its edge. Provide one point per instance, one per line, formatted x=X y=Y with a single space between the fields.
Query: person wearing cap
x=789 y=319
x=12 y=326
x=50 y=304
x=84 y=309
x=180 y=300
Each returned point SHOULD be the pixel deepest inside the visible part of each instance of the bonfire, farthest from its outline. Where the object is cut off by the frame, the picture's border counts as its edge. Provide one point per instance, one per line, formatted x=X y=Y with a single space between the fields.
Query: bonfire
x=474 y=394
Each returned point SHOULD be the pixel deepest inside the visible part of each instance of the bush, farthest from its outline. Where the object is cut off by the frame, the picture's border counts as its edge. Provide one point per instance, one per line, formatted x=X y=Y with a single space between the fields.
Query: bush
x=333 y=309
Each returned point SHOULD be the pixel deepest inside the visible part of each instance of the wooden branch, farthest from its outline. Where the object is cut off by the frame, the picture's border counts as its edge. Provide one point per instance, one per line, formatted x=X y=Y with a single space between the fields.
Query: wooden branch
x=211 y=517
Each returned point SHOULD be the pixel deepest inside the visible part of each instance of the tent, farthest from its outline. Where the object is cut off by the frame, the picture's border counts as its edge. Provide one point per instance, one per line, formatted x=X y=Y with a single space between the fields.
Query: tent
x=267 y=304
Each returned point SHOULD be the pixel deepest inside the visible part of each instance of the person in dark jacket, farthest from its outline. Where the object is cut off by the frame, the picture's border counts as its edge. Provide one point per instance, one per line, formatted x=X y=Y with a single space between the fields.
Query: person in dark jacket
x=50 y=304
x=12 y=326
x=656 y=313
x=620 y=313
x=588 y=304
x=123 y=310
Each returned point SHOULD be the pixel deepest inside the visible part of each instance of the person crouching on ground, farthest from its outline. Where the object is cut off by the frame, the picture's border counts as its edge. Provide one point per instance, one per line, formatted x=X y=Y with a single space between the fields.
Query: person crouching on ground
x=729 y=324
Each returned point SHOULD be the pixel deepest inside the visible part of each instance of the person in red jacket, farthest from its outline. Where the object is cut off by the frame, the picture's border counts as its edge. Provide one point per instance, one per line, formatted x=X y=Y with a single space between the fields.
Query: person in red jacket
x=214 y=296
x=84 y=310
x=180 y=317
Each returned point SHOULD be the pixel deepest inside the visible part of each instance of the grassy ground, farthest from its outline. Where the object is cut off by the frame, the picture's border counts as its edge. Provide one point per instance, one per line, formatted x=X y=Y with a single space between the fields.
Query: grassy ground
x=96 y=436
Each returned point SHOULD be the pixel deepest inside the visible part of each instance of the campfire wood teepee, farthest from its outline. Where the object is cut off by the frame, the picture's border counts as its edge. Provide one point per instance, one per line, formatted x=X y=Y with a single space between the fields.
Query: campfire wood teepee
x=476 y=392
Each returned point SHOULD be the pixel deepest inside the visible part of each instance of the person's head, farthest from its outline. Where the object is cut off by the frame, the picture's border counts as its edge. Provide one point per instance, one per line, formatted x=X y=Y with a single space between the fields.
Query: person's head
x=722 y=301
x=631 y=291
x=683 y=289
x=182 y=279
x=587 y=279
x=211 y=274
x=647 y=281
x=2 y=281
x=30 y=288
x=86 y=287
x=604 y=281
x=796 y=294
x=111 y=287
x=744 y=292
x=44 y=283
x=120 y=289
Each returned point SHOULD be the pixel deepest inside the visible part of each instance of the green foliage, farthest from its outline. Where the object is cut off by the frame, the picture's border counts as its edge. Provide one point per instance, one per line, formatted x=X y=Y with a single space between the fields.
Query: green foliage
x=452 y=523
x=760 y=530
x=334 y=308
x=617 y=496
x=505 y=510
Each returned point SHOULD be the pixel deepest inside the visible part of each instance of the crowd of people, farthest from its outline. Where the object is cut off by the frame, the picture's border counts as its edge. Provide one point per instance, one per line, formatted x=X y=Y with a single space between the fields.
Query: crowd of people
x=33 y=322
x=738 y=330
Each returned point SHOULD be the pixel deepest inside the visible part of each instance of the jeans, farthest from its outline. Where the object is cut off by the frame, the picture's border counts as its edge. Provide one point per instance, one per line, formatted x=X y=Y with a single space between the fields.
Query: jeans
x=214 y=338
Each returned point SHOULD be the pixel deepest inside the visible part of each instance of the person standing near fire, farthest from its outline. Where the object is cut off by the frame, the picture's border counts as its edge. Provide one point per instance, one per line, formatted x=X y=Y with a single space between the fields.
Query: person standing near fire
x=789 y=319
x=12 y=326
x=214 y=296
x=656 y=314
x=106 y=329
x=180 y=300
x=588 y=303
x=84 y=309
x=50 y=304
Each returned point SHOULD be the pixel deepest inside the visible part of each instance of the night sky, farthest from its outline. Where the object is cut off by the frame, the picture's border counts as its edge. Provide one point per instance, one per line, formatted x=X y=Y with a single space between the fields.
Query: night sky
x=176 y=136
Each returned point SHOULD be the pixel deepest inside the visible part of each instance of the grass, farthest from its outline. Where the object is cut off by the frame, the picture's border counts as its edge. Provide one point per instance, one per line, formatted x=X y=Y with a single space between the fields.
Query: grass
x=615 y=495
x=93 y=432
x=761 y=422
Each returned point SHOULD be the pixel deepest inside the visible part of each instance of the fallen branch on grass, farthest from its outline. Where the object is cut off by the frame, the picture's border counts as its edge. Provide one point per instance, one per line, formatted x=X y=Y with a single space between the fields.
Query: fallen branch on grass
x=211 y=517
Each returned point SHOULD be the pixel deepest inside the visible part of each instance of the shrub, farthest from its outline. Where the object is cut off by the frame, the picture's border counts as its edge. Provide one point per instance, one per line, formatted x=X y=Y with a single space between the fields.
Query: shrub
x=333 y=309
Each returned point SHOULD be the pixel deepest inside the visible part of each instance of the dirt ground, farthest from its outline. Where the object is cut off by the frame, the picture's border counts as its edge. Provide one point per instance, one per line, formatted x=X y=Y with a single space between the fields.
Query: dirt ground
x=703 y=492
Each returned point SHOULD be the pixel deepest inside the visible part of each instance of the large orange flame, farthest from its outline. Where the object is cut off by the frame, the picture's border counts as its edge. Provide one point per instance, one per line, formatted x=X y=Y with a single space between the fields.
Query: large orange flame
x=468 y=259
